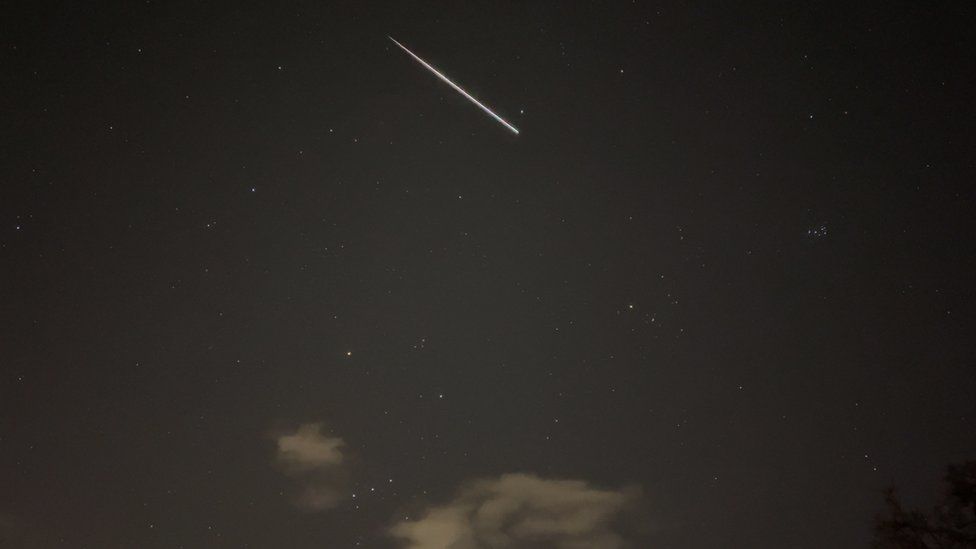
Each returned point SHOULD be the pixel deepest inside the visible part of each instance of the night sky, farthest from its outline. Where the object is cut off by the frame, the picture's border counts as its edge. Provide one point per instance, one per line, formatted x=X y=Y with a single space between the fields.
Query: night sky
x=267 y=282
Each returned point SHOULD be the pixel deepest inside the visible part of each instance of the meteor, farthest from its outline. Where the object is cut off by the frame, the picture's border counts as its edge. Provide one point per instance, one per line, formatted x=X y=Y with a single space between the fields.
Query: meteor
x=456 y=87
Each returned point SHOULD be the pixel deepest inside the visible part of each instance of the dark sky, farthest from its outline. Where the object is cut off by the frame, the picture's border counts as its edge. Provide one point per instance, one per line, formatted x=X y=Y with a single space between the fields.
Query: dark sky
x=266 y=282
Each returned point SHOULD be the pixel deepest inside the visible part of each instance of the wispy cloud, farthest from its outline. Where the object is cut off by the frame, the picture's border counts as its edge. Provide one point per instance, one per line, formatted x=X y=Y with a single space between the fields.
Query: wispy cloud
x=521 y=511
x=316 y=461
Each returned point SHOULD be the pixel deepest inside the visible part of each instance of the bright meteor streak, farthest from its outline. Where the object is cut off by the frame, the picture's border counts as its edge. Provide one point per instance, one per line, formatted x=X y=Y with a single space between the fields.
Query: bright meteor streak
x=456 y=87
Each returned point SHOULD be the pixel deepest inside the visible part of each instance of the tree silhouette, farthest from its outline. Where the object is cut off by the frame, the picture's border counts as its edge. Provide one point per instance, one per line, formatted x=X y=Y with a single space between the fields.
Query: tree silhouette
x=950 y=525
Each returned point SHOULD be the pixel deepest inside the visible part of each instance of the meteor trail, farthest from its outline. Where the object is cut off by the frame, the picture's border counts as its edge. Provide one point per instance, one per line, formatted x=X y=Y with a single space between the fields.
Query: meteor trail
x=456 y=87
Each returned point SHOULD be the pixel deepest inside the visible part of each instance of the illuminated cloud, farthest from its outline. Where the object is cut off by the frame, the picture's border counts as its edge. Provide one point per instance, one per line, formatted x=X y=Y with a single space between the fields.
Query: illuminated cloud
x=521 y=511
x=315 y=460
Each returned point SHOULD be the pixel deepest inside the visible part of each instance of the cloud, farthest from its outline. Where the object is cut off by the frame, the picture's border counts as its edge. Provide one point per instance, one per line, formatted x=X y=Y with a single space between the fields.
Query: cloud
x=308 y=449
x=521 y=511
x=316 y=462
